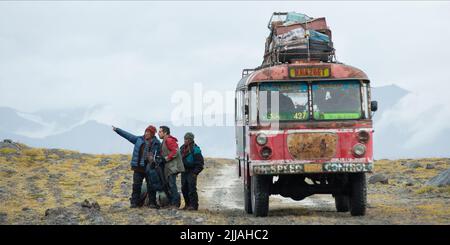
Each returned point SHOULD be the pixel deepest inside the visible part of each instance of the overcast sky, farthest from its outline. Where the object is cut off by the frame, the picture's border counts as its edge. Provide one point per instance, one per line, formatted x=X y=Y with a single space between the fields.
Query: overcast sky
x=132 y=56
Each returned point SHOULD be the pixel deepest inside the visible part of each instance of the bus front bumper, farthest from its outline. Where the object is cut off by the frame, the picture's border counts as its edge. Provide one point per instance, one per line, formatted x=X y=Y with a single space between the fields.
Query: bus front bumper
x=275 y=168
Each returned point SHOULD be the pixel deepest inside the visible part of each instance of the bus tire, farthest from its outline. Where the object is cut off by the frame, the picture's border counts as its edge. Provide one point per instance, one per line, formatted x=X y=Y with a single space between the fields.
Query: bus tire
x=260 y=185
x=358 y=194
x=342 y=203
x=247 y=199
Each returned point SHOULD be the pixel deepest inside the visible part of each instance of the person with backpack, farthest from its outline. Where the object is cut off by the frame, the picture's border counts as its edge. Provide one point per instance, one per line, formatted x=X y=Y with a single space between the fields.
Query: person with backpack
x=193 y=164
x=173 y=164
x=146 y=147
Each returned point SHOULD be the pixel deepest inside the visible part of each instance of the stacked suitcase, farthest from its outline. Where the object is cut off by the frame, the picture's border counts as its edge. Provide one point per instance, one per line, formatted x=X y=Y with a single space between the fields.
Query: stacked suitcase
x=298 y=37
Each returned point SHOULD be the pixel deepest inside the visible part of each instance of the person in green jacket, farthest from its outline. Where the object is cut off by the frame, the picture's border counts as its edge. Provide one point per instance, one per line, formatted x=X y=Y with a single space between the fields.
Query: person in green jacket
x=193 y=164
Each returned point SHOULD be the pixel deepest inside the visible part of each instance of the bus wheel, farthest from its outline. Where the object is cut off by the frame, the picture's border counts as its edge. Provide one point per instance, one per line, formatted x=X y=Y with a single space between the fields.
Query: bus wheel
x=260 y=194
x=342 y=203
x=247 y=199
x=358 y=194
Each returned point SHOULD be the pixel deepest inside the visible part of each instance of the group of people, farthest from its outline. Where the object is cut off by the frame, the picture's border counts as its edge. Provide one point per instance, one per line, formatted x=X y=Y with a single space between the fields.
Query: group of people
x=159 y=163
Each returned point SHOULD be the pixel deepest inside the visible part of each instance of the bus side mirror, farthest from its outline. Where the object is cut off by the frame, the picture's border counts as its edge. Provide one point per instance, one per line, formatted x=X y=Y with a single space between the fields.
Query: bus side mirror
x=374 y=105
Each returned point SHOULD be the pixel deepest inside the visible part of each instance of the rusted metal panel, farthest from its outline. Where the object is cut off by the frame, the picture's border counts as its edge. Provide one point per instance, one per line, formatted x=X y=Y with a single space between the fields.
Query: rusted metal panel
x=312 y=145
x=346 y=139
x=280 y=72
x=270 y=73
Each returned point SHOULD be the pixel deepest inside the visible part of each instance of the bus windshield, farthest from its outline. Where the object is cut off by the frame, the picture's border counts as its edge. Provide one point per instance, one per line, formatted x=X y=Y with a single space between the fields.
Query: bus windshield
x=334 y=100
x=283 y=101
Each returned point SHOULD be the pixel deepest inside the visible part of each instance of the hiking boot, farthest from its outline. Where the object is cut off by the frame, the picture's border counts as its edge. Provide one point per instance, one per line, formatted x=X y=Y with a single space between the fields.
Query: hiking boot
x=185 y=207
x=133 y=205
x=192 y=208
x=153 y=206
x=173 y=206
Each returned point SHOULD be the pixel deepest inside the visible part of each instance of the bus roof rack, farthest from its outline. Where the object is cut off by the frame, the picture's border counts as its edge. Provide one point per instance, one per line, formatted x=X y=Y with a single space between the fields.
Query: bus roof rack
x=283 y=16
x=246 y=72
x=275 y=57
x=278 y=15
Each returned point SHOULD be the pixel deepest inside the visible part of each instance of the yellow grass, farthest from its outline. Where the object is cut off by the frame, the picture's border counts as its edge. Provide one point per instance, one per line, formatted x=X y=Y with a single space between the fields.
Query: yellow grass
x=83 y=179
x=6 y=151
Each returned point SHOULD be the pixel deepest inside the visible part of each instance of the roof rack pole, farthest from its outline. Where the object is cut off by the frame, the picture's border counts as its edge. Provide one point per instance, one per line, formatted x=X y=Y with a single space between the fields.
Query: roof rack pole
x=269 y=25
x=307 y=38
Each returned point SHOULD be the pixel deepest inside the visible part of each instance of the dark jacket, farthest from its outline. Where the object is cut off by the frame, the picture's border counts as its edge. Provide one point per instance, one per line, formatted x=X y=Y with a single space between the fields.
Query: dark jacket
x=192 y=159
x=153 y=147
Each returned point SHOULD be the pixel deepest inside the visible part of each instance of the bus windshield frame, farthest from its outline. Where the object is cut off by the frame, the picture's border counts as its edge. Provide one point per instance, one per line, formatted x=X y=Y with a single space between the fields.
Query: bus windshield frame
x=336 y=100
x=294 y=96
x=363 y=94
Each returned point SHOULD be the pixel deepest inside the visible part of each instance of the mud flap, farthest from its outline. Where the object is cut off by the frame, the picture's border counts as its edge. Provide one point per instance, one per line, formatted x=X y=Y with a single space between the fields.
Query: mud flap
x=247 y=200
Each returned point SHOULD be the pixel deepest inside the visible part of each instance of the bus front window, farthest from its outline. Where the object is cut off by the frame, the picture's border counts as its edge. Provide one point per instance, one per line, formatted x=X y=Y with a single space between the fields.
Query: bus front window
x=283 y=101
x=334 y=100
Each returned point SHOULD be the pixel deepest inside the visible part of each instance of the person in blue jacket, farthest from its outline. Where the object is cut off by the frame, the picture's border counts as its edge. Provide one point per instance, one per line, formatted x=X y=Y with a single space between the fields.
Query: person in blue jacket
x=193 y=164
x=146 y=148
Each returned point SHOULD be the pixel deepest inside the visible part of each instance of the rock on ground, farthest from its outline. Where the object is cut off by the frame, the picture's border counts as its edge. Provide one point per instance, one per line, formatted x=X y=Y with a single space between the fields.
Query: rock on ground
x=9 y=144
x=409 y=182
x=413 y=165
x=118 y=207
x=90 y=204
x=378 y=178
x=104 y=162
x=199 y=220
x=442 y=179
x=60 y=216
x=78 y=213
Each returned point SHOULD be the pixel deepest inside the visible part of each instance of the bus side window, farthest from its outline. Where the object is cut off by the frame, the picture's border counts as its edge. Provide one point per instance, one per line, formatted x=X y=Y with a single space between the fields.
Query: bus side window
x=237 y=110
x=253 y=106
x=365 y=98
x=239 y=106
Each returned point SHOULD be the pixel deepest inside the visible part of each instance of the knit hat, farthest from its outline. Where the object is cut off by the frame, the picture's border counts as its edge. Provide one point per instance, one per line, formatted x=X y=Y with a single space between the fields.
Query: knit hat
x=151 y=129
x=189 y=135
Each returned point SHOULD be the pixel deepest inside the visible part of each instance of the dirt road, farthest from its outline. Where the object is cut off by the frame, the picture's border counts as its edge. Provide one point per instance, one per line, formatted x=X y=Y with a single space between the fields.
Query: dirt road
x=221 y=193
x=225 y=192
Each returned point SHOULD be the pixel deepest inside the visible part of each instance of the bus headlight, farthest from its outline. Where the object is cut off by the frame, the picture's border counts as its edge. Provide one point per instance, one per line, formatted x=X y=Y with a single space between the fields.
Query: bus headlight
x=363 y=136
x=261 y=139
x=266 y=152
x=359 y=150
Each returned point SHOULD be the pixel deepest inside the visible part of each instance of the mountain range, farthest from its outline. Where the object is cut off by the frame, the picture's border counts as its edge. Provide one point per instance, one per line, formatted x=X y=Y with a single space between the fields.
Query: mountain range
x=80 y=129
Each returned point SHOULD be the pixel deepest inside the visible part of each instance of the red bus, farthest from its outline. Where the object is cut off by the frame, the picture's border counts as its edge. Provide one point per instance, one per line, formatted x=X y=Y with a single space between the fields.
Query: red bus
x=304 y=128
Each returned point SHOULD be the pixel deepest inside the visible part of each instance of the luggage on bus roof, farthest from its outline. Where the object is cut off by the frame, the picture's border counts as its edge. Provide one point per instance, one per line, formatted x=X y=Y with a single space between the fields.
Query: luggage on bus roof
x=318 y=24
x=293 y=17
x=298 y=36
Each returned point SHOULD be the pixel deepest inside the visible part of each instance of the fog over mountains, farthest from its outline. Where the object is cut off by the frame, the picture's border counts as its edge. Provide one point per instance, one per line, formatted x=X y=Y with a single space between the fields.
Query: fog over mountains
x=89 y=130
